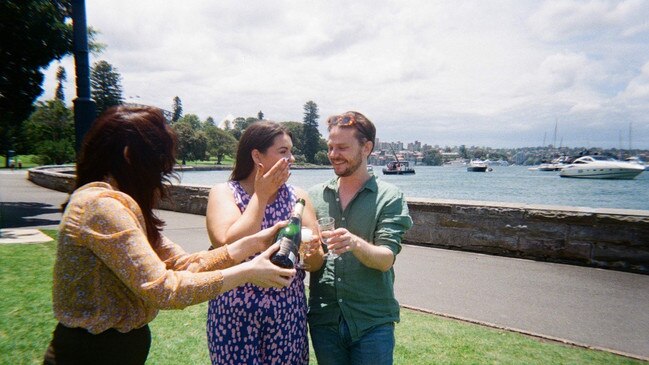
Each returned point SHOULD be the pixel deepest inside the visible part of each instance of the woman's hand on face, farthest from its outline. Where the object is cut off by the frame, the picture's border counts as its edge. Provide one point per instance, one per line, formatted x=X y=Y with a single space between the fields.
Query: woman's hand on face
x=268 y=182
x=268 y=275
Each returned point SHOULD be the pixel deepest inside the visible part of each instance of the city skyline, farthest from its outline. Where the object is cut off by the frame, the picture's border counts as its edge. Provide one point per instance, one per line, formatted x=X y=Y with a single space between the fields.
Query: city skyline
x=475 y=73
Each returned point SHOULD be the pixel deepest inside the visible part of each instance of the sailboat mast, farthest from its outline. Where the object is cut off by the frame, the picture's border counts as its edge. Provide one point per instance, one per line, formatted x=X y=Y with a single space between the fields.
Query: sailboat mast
x=554 y=141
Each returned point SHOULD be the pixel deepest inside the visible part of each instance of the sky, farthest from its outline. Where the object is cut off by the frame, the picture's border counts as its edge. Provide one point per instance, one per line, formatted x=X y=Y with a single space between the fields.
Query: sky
x=443 y=72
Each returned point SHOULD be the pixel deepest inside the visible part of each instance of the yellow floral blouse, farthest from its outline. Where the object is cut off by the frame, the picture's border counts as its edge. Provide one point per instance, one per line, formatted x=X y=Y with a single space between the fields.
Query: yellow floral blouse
x=107 y=275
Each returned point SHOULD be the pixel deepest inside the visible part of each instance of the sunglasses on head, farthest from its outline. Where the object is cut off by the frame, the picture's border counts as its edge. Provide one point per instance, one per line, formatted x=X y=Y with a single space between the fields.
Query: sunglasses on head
x=343 y=120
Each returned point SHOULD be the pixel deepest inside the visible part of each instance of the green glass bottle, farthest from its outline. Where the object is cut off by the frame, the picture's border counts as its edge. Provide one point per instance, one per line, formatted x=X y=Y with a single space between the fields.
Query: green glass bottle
x=289 y=239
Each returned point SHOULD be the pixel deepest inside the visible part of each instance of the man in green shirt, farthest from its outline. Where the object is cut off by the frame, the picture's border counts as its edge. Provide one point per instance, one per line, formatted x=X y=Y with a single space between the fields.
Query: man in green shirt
x=352 y=309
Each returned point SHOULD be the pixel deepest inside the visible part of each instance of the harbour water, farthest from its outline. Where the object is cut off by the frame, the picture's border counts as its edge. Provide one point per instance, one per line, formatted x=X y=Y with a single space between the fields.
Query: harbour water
x=506 y=184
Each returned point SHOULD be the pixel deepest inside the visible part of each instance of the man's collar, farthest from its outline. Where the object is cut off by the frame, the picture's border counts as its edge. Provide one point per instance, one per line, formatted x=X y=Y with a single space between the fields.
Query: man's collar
x=370 y=184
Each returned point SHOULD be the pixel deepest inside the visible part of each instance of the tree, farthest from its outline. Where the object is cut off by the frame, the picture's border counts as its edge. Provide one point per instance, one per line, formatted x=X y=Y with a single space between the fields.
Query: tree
x=219 y=143
x=106 y=86
x=32 y=34
x=240 y=125
x=186 y=138
x=260 y=115
x=61 y=77
x=50 y=133
x=208 y=122
x=199 y=146
x=297 y=131
x=311 y=133
x=432 y=158
x=250 y=120
x=321 y=158
x=177 y=110
x=463 y=152
x=193 y=120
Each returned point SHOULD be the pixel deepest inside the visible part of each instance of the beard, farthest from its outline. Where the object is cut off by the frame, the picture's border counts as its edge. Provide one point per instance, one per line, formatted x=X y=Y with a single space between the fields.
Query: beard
x=352 y=165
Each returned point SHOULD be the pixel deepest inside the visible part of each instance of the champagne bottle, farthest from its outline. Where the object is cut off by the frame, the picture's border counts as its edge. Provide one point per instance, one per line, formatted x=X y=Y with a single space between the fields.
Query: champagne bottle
x=289 y=239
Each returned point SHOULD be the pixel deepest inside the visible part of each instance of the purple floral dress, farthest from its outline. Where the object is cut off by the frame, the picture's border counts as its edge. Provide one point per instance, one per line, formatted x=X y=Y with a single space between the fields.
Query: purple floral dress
x=253 y=325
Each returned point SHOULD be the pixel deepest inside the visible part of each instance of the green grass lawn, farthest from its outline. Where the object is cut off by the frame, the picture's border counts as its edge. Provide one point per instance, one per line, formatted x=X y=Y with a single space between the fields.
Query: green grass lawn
x=27 y=160
x=26 y=324
x=227 y=161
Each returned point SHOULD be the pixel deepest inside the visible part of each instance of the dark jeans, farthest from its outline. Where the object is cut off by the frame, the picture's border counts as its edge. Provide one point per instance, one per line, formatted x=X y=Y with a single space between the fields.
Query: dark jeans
x=333 y=345
x=78 y=346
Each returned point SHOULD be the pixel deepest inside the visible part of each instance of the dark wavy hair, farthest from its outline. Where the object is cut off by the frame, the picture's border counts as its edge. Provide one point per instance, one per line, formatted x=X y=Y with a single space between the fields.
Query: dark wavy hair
x=151 y=157
x=258 y=136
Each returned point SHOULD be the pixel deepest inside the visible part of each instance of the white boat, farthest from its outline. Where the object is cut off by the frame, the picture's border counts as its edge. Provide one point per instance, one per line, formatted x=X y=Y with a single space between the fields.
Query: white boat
x=601 y=167
x=550 y=166
x=477 y=166
x=636 y=160
x=458 y=162
x=555 y=165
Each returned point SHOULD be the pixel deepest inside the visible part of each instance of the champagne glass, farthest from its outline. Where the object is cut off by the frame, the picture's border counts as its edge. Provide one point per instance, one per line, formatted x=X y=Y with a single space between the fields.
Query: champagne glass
x=327 y=224
x=305 y=248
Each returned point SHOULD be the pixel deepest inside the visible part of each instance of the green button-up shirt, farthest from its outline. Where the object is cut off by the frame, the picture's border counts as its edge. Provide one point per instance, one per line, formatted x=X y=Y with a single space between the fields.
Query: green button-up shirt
x=364 y=297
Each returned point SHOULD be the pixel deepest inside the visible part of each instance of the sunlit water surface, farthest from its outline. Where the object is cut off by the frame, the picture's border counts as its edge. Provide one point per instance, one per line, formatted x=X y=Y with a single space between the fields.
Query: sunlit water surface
x=511 y=184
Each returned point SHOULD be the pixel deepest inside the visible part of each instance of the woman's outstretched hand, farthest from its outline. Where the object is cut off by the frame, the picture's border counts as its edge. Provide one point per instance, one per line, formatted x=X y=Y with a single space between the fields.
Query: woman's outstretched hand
x=268 y=275
x=253 y=244
x=266 y=237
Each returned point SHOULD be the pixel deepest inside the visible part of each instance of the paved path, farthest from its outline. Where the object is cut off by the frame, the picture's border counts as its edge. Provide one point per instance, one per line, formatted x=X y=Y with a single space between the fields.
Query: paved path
x=592 y=307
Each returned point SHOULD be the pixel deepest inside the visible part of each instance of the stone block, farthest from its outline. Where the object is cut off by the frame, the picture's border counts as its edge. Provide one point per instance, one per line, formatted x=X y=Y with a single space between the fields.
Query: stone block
x=561 y=216
x=624 y=235
x=612 y=254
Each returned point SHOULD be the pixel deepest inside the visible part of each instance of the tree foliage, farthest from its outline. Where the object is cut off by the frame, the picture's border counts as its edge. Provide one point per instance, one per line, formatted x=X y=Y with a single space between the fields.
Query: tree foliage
x=61 y=77
x=209 y=122
x=49 y=133
x=32 y=34
x=193 y=120
x=219 y=143
x=311 y=133
x=227 y=126
x=432 y=158
x=240 y=124
x=321 y=158
x=297 y=131
x=177 y=110
x=186 y=140
x=106 y=86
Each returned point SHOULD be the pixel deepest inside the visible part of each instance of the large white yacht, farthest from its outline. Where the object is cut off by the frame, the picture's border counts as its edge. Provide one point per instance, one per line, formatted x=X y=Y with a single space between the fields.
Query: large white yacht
x=638 y=161
x=601 y=167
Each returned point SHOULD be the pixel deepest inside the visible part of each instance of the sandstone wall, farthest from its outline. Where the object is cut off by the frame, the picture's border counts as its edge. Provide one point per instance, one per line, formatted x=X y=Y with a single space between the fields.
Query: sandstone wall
x=607 y=238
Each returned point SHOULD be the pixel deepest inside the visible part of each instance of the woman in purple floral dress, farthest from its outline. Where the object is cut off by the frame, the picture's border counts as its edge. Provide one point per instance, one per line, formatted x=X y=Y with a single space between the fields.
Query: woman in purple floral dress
x=250 y=324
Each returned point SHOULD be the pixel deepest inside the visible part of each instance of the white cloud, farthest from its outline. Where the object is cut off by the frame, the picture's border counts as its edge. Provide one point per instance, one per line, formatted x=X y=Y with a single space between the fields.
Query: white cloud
x=637 y=91
x=442 y=72
x=570 y=19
